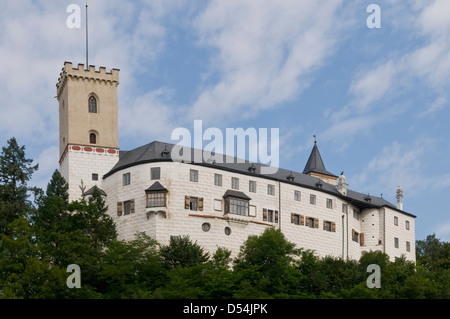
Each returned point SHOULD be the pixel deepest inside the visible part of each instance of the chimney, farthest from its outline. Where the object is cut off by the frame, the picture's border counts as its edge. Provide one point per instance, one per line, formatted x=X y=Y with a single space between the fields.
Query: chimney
x=400 y=198
x=341 y=185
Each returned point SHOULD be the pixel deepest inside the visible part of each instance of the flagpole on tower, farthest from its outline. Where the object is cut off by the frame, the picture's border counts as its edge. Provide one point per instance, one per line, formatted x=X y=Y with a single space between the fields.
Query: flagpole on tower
x=87 y=39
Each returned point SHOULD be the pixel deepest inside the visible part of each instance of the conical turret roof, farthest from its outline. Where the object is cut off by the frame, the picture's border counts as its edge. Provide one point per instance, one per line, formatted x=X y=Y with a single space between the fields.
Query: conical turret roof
x=315 y=163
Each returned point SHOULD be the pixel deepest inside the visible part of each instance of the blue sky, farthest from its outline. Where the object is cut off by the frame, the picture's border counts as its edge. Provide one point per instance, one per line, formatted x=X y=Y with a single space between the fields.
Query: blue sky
x=377 y=99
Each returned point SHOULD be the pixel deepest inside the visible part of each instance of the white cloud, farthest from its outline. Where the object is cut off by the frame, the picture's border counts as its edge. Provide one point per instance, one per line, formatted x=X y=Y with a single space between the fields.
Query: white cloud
x=48 y=162
x=399 y=164
x=266 y=52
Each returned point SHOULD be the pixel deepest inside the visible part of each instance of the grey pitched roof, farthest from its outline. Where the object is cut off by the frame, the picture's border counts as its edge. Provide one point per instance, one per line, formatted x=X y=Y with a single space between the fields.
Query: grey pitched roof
x=315 y=163
x=90 y=191
x=156 y=187
x=159 y=151
x=233 y=193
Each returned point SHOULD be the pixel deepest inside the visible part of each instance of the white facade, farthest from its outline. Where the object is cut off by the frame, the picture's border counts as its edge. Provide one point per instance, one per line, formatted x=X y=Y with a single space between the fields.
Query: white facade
x=375 y=225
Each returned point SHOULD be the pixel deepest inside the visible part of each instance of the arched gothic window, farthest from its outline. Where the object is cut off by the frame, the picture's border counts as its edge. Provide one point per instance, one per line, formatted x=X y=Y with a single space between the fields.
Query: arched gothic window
x=92 y=105
x=92 y=138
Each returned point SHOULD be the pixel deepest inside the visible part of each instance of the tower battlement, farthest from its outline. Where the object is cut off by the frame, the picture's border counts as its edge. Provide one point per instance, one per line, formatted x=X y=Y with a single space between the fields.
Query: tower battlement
x=80 y=73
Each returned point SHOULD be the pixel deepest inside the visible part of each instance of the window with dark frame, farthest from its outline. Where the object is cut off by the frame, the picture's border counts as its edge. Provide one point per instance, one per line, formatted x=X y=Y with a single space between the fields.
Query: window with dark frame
x=329 y=203
x=298 y=196
x=92 y=104
x=193 y=175
x=252 y=186
x=155 y=173
x=218 y=179
x=126 y=179
x=128 y=207
x=238 y=206
x=312 y=199
x=92 y=138
x=193 y=203
x=235 y=183
x=156 y=199
x=270 y=189
x=94 y=177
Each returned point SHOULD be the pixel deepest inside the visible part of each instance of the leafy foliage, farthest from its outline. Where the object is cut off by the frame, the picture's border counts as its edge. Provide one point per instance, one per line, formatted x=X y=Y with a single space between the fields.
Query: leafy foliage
x=38 y=241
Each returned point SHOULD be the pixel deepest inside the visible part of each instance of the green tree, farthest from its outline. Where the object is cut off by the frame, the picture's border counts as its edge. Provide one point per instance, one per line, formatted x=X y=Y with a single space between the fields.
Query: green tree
x=428 y=251
x=131 y=269
x=212 y=279
x=182 y=251
x=23 y=273
x=15 y=171
x=267 y=263
x=58 y=187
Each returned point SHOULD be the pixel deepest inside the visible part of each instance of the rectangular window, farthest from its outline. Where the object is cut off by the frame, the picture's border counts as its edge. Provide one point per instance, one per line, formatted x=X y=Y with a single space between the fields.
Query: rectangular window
x=270 y=215
x=310 y=222
x=408 y=246
x=297 y=219
x=396 y=242
x=356 y=214
x=271 y=189
x=155 y=173
x=329 y=226
x=218 y=179
x=156 y=199
x=395 y=220
x=95 y=177
x=235 y=183
x=128 y=207
x=236 y=206
x=298 y=196
x=126 y=179
x=193 y=203
x=345 y=208
x=193 y=175
x=329 y=203
x=355 y=236
x=252 y=186
x=407 y=224
x=312 y=199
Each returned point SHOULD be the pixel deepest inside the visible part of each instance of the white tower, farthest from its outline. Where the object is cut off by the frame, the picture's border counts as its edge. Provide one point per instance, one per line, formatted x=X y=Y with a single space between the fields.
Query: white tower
x=341 y=184
x=400 y=198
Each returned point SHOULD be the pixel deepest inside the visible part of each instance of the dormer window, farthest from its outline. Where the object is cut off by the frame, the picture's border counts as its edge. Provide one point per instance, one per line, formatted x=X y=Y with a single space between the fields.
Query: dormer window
x=92 y=104
x=252 y=169
x=290 y=177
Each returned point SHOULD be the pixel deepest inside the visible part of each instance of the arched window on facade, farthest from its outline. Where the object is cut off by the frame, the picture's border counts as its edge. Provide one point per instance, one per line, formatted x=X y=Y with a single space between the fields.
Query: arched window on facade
x=92 y=104
x=92 y=138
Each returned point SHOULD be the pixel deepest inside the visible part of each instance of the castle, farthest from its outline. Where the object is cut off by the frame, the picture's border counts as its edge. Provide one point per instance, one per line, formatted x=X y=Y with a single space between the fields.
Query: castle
x=218 y=204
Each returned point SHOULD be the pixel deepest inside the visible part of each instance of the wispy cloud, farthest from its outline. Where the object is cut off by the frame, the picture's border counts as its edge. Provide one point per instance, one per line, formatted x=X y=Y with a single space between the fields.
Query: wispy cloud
x=266 y=52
